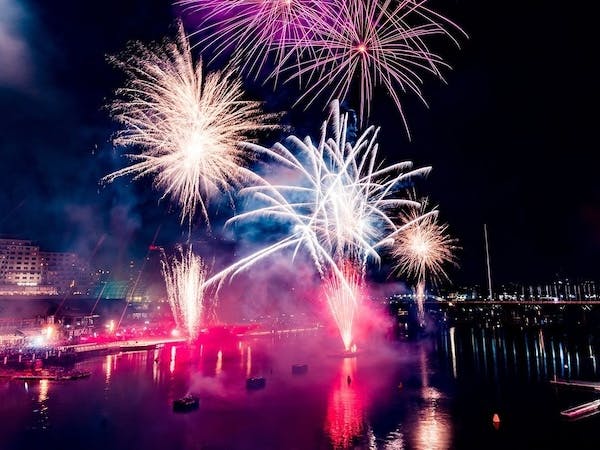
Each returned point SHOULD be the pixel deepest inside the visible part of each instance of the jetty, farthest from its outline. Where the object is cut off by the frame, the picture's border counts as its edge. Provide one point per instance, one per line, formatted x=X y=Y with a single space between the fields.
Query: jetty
x=119 y=346
x=581 y=411
x=576 y=384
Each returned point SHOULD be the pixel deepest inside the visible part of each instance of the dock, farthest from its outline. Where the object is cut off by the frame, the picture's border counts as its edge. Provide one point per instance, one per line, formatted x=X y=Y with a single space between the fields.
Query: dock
x=119 y=346
x=44 y=374
x=576 y=384
x=581 y=411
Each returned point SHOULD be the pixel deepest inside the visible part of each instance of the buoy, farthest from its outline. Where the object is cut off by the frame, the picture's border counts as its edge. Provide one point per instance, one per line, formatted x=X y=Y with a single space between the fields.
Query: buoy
x=496 y=418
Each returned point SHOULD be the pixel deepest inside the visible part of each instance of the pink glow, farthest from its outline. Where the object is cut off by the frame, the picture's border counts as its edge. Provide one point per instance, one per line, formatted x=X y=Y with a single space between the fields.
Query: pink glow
x=345 y=408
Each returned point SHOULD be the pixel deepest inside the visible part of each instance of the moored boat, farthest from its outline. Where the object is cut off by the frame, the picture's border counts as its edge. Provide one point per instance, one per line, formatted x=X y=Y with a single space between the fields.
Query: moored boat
x=186 y=404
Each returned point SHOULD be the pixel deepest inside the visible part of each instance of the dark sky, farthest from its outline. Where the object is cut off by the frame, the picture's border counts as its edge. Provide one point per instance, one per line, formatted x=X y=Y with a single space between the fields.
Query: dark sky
x=510 y=136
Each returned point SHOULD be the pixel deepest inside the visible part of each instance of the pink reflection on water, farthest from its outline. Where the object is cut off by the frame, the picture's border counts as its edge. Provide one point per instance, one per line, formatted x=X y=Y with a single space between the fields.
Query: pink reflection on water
x=345 y=409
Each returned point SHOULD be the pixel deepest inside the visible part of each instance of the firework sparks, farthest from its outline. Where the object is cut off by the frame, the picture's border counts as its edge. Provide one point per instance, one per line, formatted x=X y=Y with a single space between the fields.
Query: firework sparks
x=256 y=29
x=340 y=211
x=343 y=294
x=422 y=247
x=375 y=44
x=189 y=125
x=184 y=278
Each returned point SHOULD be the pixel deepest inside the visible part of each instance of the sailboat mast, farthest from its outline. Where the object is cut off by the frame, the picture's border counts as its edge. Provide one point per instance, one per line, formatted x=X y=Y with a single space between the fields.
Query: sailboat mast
x=487 y=259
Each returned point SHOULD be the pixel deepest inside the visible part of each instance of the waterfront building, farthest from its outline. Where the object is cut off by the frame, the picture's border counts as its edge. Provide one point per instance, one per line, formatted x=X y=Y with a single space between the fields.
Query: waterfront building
x=65 y=271
x=26 y=270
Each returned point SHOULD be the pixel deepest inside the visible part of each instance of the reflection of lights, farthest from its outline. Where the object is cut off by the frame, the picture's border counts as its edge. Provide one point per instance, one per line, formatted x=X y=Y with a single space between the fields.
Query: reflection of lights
x=453 y=351
x=394 y=441
x=249 y=361
x=155 y=367
x=43 y=395
x=108 y=363
x=172 y=362
x=433 y=426
x=175 y=332
x=219 y=366
x=344 y=420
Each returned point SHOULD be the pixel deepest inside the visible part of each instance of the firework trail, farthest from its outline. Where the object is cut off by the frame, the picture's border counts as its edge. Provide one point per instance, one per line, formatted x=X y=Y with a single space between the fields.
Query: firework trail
x=184 y=278
x=188 y=125
x=343 y=296
x=422 y=247
x=373 y=43
x=254 y=30
x=340 y=210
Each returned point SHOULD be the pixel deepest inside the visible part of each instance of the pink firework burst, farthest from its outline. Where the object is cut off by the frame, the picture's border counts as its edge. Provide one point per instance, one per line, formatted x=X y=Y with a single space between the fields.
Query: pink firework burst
x=371 y=44
x=254 y=30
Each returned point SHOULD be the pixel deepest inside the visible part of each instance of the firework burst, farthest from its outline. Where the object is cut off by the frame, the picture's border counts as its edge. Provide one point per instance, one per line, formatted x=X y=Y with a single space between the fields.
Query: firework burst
x=184 y=278
x=189 y=125
x=421 y=248
x=340 y=210
x=257 y=29
x=373 y=43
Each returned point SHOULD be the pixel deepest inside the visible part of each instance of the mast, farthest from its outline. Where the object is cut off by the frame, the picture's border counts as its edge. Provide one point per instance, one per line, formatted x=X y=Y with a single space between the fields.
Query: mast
x=487 y=259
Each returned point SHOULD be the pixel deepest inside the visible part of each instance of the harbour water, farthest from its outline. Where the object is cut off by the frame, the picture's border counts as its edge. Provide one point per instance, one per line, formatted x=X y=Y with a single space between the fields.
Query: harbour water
x=438 y=392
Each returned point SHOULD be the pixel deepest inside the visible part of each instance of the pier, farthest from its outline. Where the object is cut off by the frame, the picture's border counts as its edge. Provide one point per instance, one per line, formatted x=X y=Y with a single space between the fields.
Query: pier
x=576 y=384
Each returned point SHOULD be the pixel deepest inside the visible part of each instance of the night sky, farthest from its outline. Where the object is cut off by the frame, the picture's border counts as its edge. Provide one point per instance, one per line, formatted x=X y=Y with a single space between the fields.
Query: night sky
x=510 y=136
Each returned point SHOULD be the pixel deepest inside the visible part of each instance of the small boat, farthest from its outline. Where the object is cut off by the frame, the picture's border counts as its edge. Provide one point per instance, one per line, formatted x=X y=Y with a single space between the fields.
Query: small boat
x=186 y=404
x=255 y=383
x=581 y=411
x=299 y=369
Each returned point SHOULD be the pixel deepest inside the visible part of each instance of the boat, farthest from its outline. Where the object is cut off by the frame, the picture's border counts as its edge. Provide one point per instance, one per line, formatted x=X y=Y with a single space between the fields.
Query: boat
x=186 y=404
x=255 y=383
x=581 y=411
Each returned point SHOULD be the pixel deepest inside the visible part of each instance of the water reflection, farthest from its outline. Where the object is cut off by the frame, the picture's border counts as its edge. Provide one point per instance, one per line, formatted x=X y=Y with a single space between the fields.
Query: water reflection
x=41 y=410
x=416 y=396
x=249 y=362
x=219 y=366
x=345 y=408
x=433 y=431
x=172 y=360
x=394 y=441
x=534 y=356
x=453 y=351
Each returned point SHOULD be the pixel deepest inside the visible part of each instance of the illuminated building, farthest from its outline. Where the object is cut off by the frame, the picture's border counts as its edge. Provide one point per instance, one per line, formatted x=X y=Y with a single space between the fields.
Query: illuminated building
x=25 y=270
x=66 y=272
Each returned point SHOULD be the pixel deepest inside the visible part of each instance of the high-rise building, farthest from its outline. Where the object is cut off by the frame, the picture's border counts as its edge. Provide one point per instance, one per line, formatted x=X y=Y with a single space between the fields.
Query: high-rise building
x=65 y=271
x=20 y=263
x=25 y=270
x=21 y=269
